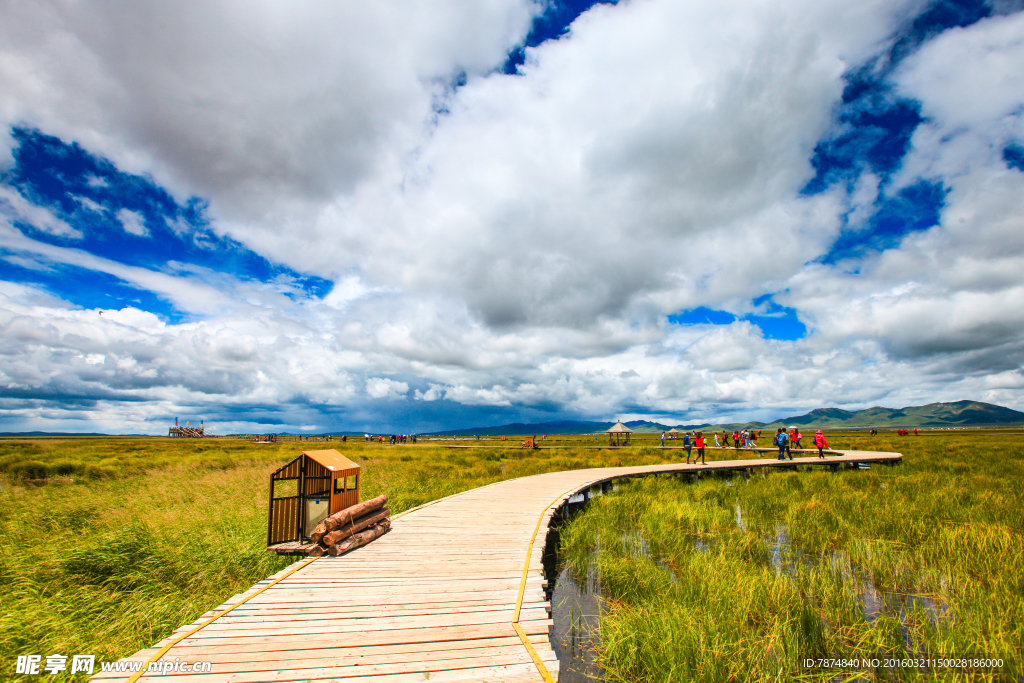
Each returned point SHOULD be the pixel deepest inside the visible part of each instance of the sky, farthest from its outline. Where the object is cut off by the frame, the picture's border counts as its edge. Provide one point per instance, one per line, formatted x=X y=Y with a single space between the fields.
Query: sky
x=405 y=217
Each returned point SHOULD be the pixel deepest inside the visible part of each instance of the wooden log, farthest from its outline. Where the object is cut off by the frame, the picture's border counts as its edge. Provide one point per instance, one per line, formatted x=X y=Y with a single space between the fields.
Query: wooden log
x=319 y=532
x=315 y=551
x=346 y=516
x=360 y=539
x=369 y=520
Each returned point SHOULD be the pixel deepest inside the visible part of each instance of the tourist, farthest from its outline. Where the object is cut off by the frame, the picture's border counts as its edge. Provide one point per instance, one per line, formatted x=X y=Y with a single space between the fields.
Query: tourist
x=718 y=444
x=725 y=438
x=820 y=443
x=700 y=448
x=687 y=445
x=795 y=436
x=736 y=439
x=780 y=441
x=663 y=439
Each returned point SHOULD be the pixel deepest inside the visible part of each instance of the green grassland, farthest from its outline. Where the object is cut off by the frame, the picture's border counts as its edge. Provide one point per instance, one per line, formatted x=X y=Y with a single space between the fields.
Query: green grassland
x=734 y=580
x=109 y=544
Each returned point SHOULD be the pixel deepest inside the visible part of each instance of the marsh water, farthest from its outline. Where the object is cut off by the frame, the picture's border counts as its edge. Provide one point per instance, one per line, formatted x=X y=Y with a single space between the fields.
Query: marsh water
x=575 y=604
x=576 y=600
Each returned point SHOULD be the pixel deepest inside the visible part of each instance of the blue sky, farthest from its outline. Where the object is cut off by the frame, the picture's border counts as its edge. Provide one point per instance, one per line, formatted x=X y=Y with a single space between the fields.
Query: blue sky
x=642 y=210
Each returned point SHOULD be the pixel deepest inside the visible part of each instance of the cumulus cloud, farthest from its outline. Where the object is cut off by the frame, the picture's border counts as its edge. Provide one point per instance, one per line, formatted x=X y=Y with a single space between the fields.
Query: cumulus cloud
x=950 y=293
x=594 y=185
x=381 y=387
x=263 y=109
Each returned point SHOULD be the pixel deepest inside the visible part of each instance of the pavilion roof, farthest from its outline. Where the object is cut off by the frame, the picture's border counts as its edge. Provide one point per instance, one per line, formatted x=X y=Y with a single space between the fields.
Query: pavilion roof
x=619 y=428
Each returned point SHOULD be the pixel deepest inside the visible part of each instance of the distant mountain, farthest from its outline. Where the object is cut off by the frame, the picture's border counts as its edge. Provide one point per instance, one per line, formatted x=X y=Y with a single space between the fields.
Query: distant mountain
x=48 y=434
x=956 y=414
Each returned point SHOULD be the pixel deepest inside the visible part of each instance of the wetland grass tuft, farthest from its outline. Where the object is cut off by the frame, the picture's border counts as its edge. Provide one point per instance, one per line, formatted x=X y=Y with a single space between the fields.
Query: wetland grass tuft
x=744 y=580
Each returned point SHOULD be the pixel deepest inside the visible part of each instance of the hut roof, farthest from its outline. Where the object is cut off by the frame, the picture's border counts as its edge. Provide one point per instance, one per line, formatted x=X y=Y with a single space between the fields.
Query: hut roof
x=673 y=431
x=619 y=428
x=332 y=460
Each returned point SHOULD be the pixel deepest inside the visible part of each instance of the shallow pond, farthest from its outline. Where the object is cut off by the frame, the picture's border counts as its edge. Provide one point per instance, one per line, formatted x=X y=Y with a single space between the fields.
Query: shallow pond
x=576 y=600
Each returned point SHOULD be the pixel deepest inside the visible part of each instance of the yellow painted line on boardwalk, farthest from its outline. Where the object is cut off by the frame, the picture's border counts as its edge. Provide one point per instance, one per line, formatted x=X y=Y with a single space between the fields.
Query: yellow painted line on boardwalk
x=162 y=651
x=543 y=670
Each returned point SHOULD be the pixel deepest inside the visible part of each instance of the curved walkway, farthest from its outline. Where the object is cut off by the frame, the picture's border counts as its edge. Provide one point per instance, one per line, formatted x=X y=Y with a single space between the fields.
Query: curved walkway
x=455 y=592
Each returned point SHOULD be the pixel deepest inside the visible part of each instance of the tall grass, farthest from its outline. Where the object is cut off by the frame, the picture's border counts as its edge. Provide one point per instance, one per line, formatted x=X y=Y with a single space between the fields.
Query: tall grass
x=744 y=580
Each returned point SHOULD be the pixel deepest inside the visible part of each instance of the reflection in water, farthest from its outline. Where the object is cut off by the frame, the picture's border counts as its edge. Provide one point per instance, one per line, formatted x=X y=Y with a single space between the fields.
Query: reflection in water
x=575 y=608
x=575 y=602
x=739 y=519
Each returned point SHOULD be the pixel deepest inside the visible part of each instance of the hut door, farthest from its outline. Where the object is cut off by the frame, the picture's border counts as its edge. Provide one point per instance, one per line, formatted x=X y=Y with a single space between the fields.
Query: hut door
x=316 y=512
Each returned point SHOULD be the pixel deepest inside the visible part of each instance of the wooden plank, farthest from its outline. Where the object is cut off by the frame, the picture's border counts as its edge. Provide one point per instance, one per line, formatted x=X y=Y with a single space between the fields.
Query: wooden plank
x=413 y=635
x=491 y=674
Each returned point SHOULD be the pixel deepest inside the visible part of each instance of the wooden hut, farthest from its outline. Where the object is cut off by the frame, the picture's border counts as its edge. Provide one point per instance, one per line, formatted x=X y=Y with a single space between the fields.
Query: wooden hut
x=618 y=435
x=325 y=482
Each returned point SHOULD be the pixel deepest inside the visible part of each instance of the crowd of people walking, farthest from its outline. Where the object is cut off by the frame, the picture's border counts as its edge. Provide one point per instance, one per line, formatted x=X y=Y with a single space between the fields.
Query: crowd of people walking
x=390 y=439
x=785 y=441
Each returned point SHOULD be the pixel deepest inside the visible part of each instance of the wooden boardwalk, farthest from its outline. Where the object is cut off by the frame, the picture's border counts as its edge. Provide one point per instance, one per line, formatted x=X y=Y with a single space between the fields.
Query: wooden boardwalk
x=455 y=592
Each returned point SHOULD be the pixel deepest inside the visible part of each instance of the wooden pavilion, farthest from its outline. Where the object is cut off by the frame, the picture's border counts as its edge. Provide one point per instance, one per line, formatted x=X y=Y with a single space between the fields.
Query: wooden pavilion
x=325 y=482
x=618 y=435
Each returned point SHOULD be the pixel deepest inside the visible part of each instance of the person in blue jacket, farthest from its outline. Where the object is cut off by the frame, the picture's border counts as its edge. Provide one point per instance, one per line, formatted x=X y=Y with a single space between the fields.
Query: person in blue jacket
x=781 y=438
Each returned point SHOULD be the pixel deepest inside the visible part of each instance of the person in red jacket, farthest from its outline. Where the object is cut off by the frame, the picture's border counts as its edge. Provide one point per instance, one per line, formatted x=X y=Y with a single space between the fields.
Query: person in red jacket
x=736 y=439
x=820 y=443
x=700 y=449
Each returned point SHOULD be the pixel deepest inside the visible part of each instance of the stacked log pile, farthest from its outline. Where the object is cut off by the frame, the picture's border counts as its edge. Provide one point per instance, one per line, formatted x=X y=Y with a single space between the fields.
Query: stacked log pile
x=351 y=528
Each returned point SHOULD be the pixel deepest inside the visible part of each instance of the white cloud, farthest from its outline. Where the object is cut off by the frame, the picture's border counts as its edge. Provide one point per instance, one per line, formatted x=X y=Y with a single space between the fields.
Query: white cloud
x=970 y=77
x=90 y=204
x=595 y=185
x=951 y=294
x=264 y=109
x=380 y=387
x=14 y=207
x=133 y=222
x=435 y=392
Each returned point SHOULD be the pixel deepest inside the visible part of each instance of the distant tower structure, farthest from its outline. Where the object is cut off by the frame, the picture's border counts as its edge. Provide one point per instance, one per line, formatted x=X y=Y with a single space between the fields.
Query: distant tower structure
x=187 y=432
